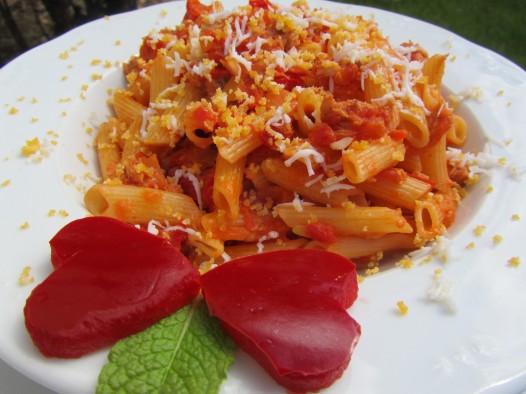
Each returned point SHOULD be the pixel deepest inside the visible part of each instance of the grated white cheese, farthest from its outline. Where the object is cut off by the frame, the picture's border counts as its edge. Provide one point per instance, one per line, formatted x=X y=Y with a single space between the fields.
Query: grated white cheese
x=341 y=144
x=270 y=235
x=179 y=173
x=152 y=224
x=177 y=64
x=146 y=114
x=441 y=291
x=216 y=16
x=334 y=183
x=471 y=92
x=297 y=203
x=256 y=45
x=152 y=228
x=304 y=155
x=314 y=180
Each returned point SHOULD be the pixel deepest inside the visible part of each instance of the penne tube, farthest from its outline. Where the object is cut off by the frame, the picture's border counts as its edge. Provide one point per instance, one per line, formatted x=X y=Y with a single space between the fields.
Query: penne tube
x=353 y=247
x=108 y=151
x=161 y=77
x=429 y=219
x=412 y=162
x=295 y=178
x=164 y=130
x=458 y=134
x=416 y=127
x=228 y=185
x=433 y=69
x=240 y=147
x=126 y=108
x=308 y=110
x=400 y=194
x=377 y=84
x=434 y=164
x=363 y=160
x=348 y=220
x=140 y=205
x=212 y=247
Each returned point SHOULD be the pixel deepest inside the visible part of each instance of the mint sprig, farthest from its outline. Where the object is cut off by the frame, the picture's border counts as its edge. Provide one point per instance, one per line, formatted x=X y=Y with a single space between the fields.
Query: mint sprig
x=187 y=352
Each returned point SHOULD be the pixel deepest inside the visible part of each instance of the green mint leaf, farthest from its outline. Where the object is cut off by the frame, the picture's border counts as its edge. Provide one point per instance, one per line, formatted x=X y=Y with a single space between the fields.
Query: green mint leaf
x=186 y=353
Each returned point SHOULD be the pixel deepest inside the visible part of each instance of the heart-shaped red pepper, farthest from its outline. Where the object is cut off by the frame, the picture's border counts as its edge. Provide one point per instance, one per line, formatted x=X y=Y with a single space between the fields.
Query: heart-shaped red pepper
x=287 y=310
x=111 y=280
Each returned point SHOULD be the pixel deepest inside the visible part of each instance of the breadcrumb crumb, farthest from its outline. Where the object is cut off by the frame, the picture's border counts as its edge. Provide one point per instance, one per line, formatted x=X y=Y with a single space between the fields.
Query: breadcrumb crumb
x=31 y=147
x=405 y=263
x=515 y=217
x=372 y=271
x=497 y=239
x=81 y=158
x=514 y=261
x=402 y=308
x=25 y=277
x=471 y=245
x=479 y=230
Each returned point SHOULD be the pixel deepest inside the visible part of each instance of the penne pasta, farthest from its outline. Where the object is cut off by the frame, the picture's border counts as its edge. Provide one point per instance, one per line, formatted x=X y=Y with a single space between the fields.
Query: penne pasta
x=109 y=153
x=126 y=108
x=256 y=127
x=363 y=160
x=354 y=247
x=296 y=179
x=400 y=193
x=228 y=184
x=348 y=220
x=140 y=205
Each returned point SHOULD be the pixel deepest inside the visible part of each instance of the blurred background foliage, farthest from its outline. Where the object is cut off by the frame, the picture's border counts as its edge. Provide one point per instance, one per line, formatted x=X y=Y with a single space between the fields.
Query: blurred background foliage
x=496 y=24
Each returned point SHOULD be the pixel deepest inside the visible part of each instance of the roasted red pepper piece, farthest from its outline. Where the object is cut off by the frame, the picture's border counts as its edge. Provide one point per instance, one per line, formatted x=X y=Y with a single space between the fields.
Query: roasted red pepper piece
x=111 y=280
x=287 y=310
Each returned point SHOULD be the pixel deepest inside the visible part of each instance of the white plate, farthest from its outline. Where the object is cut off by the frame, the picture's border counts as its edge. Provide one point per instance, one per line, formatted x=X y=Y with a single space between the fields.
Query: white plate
x=481 y=347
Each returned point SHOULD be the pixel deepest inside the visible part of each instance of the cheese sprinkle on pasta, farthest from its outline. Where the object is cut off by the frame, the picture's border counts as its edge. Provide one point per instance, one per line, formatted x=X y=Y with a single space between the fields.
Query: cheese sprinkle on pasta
x=301 y=125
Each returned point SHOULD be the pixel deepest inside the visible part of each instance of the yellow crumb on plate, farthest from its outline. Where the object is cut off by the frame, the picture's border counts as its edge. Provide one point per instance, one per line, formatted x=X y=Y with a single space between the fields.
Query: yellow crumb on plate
x=479 y=230
x=372 y=271
x=5 y=183
x=402 y=308
x=405 y=263
x=81 y=158
x=471 y=245
x=514 y=261
x=24 y=226
x=31 y=147
x=25 y=277
x=497 y=239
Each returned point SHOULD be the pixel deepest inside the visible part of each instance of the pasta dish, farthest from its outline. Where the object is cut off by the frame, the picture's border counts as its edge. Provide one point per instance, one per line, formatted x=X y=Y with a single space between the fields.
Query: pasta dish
x=275 y=127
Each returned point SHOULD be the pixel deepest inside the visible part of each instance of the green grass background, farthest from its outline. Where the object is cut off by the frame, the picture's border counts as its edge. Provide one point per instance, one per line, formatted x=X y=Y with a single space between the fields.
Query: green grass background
x=499 y=25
